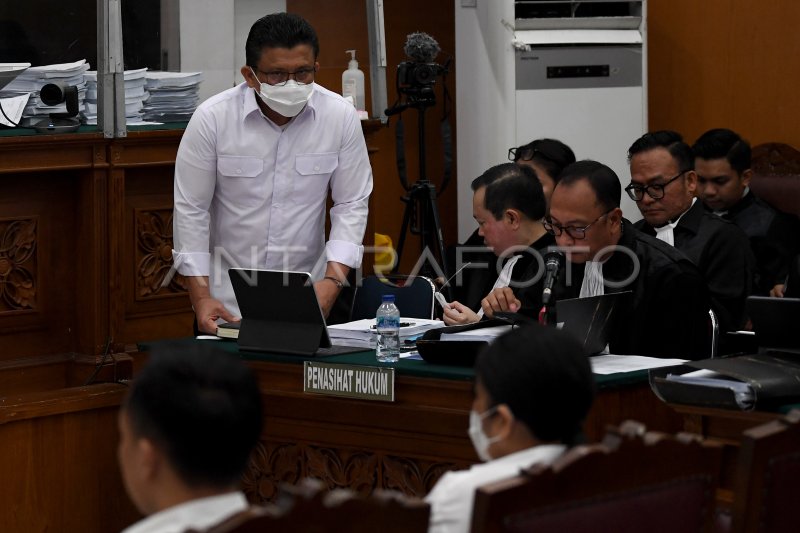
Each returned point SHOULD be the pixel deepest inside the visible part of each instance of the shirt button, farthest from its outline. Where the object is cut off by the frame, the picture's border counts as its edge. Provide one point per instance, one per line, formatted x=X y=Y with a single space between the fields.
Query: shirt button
x=316 y=168
x=238 y=170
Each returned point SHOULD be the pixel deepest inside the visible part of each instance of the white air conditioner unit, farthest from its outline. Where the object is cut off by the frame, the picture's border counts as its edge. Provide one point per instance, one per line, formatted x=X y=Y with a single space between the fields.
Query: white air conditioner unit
x=564 y=69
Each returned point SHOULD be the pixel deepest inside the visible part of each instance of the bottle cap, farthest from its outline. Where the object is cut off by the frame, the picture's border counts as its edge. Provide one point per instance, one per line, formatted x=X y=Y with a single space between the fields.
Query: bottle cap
x=352 y=64
x=388 y=298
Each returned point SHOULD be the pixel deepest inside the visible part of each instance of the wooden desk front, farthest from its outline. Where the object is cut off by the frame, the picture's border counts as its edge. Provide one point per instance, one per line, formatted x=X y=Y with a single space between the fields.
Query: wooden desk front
x=404 y=445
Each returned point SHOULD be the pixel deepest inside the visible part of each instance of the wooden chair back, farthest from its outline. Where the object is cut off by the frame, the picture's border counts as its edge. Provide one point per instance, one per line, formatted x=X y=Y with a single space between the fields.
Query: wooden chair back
x=776 y=176
x=632 y=482
x=309 y=508
x=767 y=487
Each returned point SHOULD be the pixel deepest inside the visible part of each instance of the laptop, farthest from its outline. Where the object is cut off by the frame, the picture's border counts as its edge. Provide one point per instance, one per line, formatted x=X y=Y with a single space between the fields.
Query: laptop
x=589 y=319
x=281 y=314
x=774 y=322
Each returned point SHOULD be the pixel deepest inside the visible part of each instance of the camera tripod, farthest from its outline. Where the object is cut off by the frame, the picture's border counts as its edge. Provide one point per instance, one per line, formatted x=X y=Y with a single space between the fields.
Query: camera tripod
x=421 y=214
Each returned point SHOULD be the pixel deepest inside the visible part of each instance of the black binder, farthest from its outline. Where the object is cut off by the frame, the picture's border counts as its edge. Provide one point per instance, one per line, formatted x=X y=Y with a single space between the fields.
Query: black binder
x=773 y=373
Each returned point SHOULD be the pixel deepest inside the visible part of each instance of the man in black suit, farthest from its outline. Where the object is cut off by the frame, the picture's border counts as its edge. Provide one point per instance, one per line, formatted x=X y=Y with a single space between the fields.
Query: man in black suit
x=722 y=163
x=667 y=313
x=663 y=184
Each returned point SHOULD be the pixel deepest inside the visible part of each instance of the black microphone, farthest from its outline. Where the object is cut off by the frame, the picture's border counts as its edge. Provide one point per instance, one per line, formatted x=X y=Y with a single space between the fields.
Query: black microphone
x=421 y=47
x=552 y=265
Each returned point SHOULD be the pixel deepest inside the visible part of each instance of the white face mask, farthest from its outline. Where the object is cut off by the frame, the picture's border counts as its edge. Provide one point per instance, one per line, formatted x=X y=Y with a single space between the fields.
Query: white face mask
x=288 y=99
x=479 y=439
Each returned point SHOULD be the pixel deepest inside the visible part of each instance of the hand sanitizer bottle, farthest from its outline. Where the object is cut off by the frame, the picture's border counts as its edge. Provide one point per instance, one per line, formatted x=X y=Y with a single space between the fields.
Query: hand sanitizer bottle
x=353 y=84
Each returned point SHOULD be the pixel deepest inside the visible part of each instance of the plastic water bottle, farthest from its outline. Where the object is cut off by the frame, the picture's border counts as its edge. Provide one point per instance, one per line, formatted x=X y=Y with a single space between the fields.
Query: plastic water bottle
x=387 y=322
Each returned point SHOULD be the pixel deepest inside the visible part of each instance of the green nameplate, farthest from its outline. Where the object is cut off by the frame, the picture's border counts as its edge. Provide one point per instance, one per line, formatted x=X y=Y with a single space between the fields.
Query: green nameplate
x=350 y=381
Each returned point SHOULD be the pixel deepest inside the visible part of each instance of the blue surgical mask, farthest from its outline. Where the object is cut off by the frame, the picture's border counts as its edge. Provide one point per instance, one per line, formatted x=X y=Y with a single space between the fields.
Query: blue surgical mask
x=479 y=439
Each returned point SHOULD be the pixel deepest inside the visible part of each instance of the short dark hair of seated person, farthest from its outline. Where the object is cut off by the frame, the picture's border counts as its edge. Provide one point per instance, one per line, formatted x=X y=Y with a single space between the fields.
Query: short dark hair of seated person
x=533 y=389
x=663 y=183
x=722 y=162
x=508 y=205
x=188 y=426
x=667 y=313
x=547 y=157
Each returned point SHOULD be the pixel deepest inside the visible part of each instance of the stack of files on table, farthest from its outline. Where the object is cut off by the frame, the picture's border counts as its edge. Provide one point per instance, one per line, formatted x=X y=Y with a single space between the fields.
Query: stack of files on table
x=173 y=96
x=362 y=332
x=32 y=80
x=135 y=94
x=481 y=334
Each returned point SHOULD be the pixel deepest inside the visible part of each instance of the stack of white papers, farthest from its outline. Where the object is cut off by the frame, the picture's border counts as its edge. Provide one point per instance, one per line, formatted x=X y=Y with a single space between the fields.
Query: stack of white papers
x=173 y=96
x=135 y=95
x=32 y=80
x=362 y=332
x=742 y=392
x=481 y=334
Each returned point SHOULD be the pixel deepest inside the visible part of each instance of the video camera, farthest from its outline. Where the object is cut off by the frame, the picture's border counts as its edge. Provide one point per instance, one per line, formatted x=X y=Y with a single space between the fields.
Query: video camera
x=415 y=78
x=411 y=74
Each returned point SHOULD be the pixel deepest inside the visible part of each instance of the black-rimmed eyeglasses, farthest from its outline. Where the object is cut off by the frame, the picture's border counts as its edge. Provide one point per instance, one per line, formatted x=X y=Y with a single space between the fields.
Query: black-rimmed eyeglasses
x=302 y=76
x=654 y=191
x=575 y=232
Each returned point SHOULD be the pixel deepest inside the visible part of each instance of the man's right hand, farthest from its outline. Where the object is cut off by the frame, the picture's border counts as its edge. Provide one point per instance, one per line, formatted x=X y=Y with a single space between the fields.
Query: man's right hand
x=208 y=311
x=500 y=299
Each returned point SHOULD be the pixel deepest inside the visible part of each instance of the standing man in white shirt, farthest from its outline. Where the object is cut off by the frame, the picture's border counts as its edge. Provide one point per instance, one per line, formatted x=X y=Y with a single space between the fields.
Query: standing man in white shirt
x=253 y=173
x=187 y=428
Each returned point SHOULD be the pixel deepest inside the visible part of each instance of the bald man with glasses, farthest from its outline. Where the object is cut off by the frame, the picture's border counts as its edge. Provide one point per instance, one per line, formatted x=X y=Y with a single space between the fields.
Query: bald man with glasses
x=663 y=185
x=666 y=314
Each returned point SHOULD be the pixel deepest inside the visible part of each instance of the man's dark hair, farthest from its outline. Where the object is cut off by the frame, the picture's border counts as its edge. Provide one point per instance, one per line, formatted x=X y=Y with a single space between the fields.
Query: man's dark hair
x=279 y=30
x=603 y=181
x=722 y=142
x=202 y=408
x=550 y=154
x=669 y=140
x=543 y=375
x=511 y=186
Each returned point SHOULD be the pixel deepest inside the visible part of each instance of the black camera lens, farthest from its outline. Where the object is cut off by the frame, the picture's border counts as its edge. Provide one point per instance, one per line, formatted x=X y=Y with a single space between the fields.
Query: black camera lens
x=424 y=74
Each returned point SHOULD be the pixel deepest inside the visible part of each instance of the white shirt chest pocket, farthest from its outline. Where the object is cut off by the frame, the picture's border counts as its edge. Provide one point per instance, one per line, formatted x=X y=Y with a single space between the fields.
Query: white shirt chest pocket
x=241 y=179
x=314 y=172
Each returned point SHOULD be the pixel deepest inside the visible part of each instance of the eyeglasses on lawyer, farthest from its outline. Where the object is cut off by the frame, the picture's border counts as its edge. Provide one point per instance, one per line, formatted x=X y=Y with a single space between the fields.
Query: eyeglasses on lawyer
x=654 y=191
x=577 y=233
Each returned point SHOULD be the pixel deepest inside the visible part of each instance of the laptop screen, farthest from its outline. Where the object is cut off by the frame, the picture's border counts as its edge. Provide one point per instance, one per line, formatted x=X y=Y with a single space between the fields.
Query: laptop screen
x=774 y=320
x=589 y=319
x=280 y=311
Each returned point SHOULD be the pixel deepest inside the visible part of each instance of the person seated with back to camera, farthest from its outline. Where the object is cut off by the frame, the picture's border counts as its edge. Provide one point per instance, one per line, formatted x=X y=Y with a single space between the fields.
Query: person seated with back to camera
x=533 y=389
x=508 y=203
x=666 y=314
x=547 y=158
x=187 y=427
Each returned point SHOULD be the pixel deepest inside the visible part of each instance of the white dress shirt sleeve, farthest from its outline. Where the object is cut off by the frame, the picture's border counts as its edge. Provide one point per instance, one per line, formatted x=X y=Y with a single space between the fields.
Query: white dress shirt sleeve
x=351 y=185
x=195 y=180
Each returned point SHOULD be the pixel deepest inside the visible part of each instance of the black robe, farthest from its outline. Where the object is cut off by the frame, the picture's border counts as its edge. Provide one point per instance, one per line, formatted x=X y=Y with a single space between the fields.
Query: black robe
x=722 y=253
x=667 y=313
x=476 y=283
x=771 y=234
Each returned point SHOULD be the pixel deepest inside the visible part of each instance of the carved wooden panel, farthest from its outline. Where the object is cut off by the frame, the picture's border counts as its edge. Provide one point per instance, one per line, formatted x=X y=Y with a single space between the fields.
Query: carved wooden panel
x=153 y=254
x=18 y=264
x=360 y=470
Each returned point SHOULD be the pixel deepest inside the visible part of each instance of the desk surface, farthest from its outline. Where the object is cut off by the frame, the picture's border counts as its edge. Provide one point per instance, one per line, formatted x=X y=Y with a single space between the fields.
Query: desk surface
x=404 y=367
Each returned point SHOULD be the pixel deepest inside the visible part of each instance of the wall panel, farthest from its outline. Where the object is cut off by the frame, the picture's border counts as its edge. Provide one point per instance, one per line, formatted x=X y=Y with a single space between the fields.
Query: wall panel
x=725 y=63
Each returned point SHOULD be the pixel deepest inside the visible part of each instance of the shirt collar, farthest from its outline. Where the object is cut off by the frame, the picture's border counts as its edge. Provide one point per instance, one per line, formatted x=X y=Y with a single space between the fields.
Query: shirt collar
x=201 y=513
